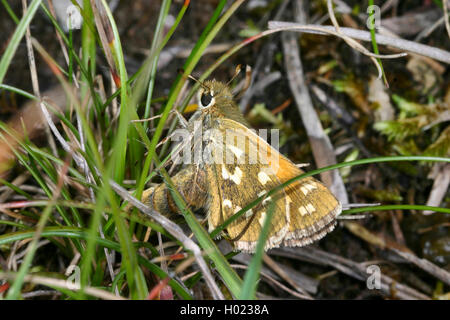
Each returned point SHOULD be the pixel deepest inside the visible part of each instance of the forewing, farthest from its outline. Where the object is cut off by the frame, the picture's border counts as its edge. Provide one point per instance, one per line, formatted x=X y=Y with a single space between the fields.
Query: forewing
x=304 y=211
x=235 y=181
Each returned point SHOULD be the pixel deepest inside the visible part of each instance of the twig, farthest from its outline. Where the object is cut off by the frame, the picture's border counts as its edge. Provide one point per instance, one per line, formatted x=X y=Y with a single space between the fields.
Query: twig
x=283 y=274
x=447 y=24
x=353 y=269
x=333 y=107
x=440 y=186
x=427 y=31
x=425 y=265
x=95 y=292
x=409 y=25
x=18 y=181
x=258 y=87
x=305 y=284
x=40 y=293
x=388 y=4
x=183 y=51
x=399 y=249
x=38 y=245
x=401 y=44
x=277 y=283
x=351 y=42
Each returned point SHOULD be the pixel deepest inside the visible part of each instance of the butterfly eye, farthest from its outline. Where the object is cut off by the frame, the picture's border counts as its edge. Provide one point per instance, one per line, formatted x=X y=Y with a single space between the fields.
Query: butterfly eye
x=206 y=99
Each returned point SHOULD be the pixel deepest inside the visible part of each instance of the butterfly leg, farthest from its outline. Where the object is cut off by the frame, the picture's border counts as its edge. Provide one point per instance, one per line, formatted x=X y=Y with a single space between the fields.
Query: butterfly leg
x=181 y=119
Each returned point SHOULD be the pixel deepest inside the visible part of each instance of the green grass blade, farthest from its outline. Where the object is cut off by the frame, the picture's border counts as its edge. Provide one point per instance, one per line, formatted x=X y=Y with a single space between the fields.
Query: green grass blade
x=397 y=207
x=375 y=45
x=17 y=37
x=254 y=268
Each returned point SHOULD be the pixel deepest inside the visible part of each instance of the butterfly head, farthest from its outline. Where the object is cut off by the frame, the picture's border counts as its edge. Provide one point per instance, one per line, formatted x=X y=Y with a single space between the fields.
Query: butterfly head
x=214 y=94
x=215 y=97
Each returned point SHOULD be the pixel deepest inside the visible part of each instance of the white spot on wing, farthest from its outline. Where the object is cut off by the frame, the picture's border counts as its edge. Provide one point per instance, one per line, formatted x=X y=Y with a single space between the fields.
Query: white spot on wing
x=310 y=208
x=266 y=200
x=262 y=219
x=225 y=173
x=262 y=193
x=263 y=177
x=307 y=187
x=303 y=211
x=304 y=190
x=227 y=203
x=288 y=210
x=235 y=177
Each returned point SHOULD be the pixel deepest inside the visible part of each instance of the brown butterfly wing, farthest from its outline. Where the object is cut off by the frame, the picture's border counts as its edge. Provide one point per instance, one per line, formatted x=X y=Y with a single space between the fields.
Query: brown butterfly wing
x=304 y=211
x=313 y=208
x=233 y=187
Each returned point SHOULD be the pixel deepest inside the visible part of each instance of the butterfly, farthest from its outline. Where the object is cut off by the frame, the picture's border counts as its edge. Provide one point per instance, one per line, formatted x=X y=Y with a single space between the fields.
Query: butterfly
x=231 y=167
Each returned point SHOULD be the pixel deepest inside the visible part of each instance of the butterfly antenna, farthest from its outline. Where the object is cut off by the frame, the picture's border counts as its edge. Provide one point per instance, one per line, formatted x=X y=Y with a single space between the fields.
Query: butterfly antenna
x=199 y=82
x=181 y=71
x=236 y=73
x=248 y=81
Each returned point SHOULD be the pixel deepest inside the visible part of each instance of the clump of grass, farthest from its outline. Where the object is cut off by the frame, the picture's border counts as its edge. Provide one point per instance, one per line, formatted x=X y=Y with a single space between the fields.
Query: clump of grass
x=103 y=146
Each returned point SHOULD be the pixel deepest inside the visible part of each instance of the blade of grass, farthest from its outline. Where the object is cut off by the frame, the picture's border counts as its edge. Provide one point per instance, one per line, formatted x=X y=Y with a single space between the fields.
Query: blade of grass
x=397 y=207
x=60 y=284
x=19 y=91
x=130 y=263
x=116 y=166
x=129 y=260
x=157 y=38
x=251 y=276
x=10 y=12
x=10 y=50
x=375 y=45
